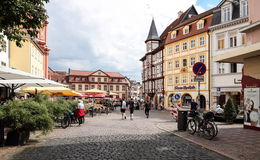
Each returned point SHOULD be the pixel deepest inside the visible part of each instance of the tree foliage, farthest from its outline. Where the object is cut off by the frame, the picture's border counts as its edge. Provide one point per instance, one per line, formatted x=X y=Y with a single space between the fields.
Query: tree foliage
x=21 y=18
x=230 y=111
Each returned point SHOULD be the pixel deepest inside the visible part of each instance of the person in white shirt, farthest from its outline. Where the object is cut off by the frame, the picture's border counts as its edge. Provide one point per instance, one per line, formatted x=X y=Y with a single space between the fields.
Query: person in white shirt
x=219 y=110
x=123 y=108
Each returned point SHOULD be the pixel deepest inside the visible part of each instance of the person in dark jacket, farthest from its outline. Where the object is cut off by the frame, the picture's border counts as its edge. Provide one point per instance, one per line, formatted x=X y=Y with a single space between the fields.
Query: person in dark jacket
x=131 y=108
x=147 y=108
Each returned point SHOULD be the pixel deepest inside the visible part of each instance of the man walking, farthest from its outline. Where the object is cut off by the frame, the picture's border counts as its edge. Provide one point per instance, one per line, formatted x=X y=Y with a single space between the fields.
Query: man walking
x=131 y=108
x=147 y=108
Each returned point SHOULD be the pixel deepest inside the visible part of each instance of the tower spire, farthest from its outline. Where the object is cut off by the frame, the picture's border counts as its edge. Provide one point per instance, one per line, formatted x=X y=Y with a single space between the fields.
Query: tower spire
x=153 y=35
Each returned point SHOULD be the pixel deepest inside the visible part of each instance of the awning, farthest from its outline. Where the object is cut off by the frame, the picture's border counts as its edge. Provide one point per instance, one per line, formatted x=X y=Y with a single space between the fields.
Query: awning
x=9 y=73
x=58 y=91
x=238 y=55
x=94 y=91
x=17 y=83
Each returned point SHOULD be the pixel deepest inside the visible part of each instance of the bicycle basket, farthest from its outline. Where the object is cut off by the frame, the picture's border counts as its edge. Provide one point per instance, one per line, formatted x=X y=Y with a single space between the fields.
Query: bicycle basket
x=208 y=115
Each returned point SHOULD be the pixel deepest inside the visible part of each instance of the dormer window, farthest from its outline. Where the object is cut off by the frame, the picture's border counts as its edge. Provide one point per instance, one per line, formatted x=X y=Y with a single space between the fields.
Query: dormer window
x=226 y=13
x=200 y=24
x=186 y=30
x=243 y=8
x=173 y=34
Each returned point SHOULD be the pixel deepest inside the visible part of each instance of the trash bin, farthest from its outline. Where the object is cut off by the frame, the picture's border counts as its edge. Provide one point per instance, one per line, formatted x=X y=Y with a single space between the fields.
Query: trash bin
x=182 y=120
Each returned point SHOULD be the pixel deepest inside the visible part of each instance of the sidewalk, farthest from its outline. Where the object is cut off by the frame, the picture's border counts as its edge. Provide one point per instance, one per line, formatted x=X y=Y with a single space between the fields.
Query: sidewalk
x=232 y=140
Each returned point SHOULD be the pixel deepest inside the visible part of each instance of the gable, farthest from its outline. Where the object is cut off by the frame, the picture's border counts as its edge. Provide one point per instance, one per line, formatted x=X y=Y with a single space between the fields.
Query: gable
x=99 y=73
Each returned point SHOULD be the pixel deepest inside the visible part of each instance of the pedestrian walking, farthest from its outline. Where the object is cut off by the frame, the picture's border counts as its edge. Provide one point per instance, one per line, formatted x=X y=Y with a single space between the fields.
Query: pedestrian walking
x=131 y=108
x=123 y=108
x=80 y=112
x=147 y=108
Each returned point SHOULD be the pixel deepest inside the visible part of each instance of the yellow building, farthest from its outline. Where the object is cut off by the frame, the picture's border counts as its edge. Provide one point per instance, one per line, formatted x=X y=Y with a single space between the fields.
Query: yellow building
x=28 y=58
x=186 y=44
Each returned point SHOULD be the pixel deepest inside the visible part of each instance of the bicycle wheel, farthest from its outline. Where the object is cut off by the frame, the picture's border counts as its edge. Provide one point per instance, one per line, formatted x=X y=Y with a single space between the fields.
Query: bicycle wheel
x=65 y=123
x=192 y=126
x=209 y=130
x=216 y=129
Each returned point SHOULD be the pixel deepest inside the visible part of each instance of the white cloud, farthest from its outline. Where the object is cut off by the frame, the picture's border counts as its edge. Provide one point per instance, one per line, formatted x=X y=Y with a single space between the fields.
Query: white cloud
x=115 y=30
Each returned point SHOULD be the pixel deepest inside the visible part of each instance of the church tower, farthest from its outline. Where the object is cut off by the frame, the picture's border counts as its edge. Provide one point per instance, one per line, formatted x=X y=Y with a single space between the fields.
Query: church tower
x=152 y=41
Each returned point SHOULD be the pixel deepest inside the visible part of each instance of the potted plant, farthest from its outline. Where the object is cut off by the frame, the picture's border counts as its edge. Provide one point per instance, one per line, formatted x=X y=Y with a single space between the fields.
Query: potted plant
x=230 y=112
x=23 y=117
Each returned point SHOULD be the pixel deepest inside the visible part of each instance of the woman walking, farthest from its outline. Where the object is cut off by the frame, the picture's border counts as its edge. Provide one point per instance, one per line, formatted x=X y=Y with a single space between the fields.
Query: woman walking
x=131 y=108
x=147 y=108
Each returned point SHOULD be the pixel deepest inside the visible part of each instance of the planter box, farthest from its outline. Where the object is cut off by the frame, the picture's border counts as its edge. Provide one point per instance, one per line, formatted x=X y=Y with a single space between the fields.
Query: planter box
x=16 y=137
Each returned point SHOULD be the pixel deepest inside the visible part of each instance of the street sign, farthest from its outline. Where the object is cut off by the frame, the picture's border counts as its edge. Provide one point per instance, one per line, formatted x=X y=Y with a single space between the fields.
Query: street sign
x=199 y=78
x=218 y=89
x=199 y=68
x=177 y=96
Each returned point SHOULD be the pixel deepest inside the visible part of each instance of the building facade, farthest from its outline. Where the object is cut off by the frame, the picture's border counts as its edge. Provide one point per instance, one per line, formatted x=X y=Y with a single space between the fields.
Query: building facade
x=106 y=81
x=187 y=43
x=249 y=55
x=229 y=18
x=32 y=57
x=134 y=90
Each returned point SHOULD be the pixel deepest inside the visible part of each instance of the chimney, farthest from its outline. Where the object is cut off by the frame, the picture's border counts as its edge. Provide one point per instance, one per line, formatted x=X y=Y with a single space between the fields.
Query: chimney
x=179 y=14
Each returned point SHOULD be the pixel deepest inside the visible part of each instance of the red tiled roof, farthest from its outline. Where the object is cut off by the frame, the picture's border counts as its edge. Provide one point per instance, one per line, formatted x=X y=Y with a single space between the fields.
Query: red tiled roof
x=87 y=73
x=193 y=27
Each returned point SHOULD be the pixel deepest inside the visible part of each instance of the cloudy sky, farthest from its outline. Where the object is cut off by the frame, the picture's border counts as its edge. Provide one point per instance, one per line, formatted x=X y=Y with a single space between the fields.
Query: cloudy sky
x=108 y=34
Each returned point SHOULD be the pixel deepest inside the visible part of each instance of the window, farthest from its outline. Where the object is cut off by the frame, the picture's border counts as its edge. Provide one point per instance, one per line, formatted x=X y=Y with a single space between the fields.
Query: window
x=3 y=63
x=83 y=79
x=92 y=86
x=169 y=65
x=170 y=81
x=105 y=87
x=177 y=48
x=200 y=24
x=226 y=14
x=169 y=50
x=233 y=41
x=105 y=79
x=99 y=87
x=117 y=88
x=173 y=35
x=192 y=78
x=111 y=88
x=243 y=38
x=243 y=8
x=93 y=79
x=99 y=79
x=186 y=30
x=184 y=46
x=77 y=78
x=192 y=43
x=202 y=59
x=221 y=68
x=184 y=62
x=86 y=87
x=192 y=61
x=233 y=67
x=123 y=88
x=177 y=65
x=184 y=79
x=177 y=80
x=202 y=41
x=80 y=87
x=221 y=44
x=73 y=86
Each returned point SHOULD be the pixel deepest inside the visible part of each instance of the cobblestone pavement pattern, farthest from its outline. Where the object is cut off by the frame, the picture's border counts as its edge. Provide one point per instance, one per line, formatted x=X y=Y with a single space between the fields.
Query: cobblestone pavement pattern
x=109 y=137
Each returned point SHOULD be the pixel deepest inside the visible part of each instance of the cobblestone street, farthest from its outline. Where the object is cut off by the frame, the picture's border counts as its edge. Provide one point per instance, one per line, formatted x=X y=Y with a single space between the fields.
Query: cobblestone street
x=109 y=137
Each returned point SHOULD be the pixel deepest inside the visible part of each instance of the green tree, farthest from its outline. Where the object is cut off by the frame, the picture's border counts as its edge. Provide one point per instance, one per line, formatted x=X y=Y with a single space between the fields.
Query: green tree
x=21 y=18
x=230 y=111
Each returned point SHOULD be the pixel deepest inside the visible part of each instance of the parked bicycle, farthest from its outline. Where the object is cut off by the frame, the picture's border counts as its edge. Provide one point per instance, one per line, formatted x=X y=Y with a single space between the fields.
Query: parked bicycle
x=203 y=126
x=68 y=119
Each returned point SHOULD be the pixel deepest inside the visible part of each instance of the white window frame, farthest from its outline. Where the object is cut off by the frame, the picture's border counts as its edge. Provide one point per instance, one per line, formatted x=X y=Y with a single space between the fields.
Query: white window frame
x=177 y=64
x=177 y=80
x=177 y=48
x=192 y=61
x=192 y=43
x=169 y=50
x=186 y=30
x=173 y=34
x=202 y=41
x=202 y=58
x=184 y=47
x=243 y=8
x=226 y=13
x=192 y=78
x=184 y=79
x=233 y=41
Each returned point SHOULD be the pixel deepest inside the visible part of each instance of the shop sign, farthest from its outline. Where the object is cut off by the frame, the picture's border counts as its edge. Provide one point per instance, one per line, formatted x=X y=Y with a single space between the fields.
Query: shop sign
x=252 y=109
x=185 y=87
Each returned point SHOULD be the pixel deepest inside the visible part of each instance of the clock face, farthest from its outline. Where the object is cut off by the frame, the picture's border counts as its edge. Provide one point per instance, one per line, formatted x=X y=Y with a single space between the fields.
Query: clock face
x=254 y=116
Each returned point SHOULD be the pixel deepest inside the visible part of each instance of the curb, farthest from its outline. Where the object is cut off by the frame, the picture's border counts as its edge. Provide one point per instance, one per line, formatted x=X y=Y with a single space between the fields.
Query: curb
x=174 y=132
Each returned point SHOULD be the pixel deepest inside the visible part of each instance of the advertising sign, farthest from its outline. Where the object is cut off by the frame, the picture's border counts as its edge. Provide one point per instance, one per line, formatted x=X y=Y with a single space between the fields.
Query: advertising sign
x=252 y=107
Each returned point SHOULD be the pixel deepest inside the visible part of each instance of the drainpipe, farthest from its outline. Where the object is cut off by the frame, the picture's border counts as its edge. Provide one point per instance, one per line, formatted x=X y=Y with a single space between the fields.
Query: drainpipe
x=209 y=66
